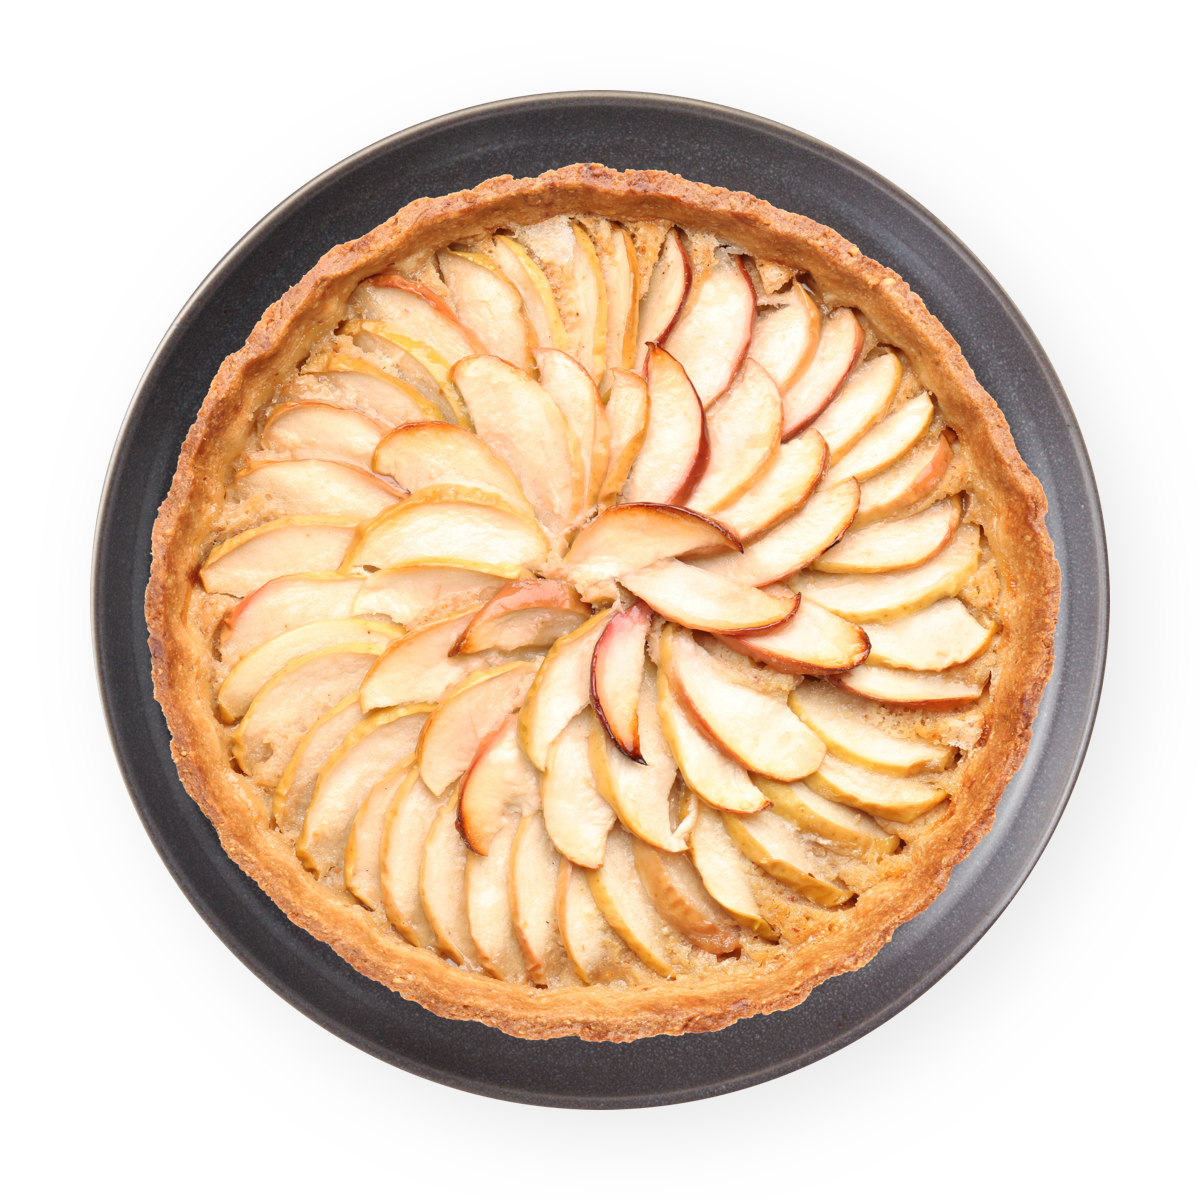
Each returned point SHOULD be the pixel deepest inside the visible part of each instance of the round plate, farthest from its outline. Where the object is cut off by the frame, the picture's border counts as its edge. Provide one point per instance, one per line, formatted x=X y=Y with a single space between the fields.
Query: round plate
x=524 y=137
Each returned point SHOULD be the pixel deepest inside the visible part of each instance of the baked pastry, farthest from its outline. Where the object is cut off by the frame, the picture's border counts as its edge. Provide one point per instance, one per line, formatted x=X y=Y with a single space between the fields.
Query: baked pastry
x=600 y=605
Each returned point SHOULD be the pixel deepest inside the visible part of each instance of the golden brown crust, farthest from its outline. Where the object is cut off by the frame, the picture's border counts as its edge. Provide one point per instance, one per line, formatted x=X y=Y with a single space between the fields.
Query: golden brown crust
x=1008 y=503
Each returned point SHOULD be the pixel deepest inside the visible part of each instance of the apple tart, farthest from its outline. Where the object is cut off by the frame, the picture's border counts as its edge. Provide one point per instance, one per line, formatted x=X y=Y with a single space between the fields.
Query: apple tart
x=600 y=605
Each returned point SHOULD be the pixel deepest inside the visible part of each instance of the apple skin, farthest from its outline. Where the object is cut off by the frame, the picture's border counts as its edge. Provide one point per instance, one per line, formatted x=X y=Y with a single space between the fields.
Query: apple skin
x=618 y=663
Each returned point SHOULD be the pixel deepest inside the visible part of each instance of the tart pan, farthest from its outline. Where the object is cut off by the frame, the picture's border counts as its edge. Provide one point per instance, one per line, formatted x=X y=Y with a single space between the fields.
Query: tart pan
x=521 y=137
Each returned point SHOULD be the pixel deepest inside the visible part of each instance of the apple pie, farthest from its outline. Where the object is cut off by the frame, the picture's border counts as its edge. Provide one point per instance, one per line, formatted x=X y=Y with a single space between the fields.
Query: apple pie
x=600 y=605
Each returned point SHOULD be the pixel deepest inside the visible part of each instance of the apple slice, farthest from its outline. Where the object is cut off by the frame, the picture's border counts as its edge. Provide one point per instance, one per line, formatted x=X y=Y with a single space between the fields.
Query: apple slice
x=562 y=688
x=675 y=889
x=894 y=436
x=413 y=362
x=417 y=313
x=838 y=349
x=350 y=381
x=674 y=452
x=622 y=898
x=848 y=829
x=312 y=486
x=627 y=412
x=288 y=546
x=754 y=729
x=716 y=778
x=641 y=795
x=587 y=937
x=489 y=909
x=883 y=796
x=488 y=304
x=577 y=816
x=449 y=522
x=783 y=487
x=533 y=889
x=294 y=788
x=785 y=338
x=291 y=702
x=910 y=689
x=474 y=709
x=618 y=666
x=524 y=613
x=499 y=782
x=444 y=888
x=699 y=599
x=253 y=671
x=370 y=750
x=940 y=636
x=572 y=389
x=893 y=545
x=618 y=263
x=841 y=722
x=895 y=594
x=864 y=398
x=283 y=604
x=530 y=280
x=598 y=470
x=430 y=453
x=910 y=481
x=743 y=436
x=363 y=863
x=414 y=592
x=590 y=299
x=813 y=642
x=723 y=871
x=666 y=294
x=713 y=332
x=406 y=827
x=521 y=424
x=323 y=431
x=785 y=854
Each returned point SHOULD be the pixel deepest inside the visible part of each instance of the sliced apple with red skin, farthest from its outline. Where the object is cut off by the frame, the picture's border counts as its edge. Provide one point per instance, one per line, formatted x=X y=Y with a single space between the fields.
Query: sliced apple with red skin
x=884 y=796
x=489 y=907
x=354 y=382
x=813 y=642
x=413 y=362
x=412 y=593
x=793 y=543
x=524 y=613
x=577 y=816
x=283 y=604
x=784 y=486
x=488 y=304
x=895 y=594
x=862 y=401
x=723 y=870
x=774 y=844
x=893 y=545
x=294 y=789
x=848 y=829
x=291 y=702
x=838 y=350
x=313 y=485
x=364 y=847
x=499 y=782
x=253 y=671
x=448 y=522
x=913 y=479
x=413 y=310
x=893 y=437
x=323 y=431
x=591 y=305
x=940 y=636
x=520 y=423
x=627 y=412
x=561 y=689
x=708 y=771
x=533 y=890
x=674 y=453
x=840 y=721
x=675 y=888
x=743 y=436
x=618 y=666
x=287 y=546
x=756 y=730
x=712 y=334
x=618 y=263
x=431 y=453
x=406 y=827
x=574 y=391
x=590 y=942
x=444 y=888
x=785 y=338
x=476 y=708
x=666 y=294
x=928 y=690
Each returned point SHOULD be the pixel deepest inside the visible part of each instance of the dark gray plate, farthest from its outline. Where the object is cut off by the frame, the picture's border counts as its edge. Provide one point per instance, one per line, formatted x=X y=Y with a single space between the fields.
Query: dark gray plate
x=524 y=137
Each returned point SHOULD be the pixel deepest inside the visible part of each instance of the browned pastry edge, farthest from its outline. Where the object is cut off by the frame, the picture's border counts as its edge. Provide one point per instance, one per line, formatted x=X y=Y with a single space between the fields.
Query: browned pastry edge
x=1010 y=505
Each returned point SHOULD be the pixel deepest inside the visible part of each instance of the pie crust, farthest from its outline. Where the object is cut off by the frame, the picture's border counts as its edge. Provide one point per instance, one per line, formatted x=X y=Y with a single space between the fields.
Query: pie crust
x=1020 y=578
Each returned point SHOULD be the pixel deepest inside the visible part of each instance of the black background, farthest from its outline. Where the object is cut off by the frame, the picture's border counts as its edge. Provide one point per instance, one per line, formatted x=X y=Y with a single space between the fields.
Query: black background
x=1015 y=1013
